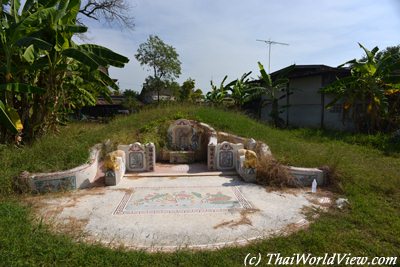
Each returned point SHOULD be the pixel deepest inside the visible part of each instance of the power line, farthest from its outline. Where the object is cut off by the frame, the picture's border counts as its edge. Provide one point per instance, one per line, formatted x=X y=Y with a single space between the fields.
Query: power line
x=270 y=43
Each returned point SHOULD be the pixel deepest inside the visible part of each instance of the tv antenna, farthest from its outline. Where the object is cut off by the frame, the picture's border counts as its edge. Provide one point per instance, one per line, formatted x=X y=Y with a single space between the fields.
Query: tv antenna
x=270 y=43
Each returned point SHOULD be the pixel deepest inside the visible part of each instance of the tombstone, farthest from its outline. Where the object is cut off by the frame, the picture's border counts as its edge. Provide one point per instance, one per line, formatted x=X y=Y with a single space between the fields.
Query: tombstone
x=211 y=150
x=226 y=155
x=151 y=156
x=136 y=157
x=183 y=136
x=184 y=140
x=139 y=157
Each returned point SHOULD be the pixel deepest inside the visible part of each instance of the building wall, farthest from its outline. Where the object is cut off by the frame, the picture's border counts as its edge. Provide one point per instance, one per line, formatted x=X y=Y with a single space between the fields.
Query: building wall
x=333 y=117
x=305 y=106
x=305 y=102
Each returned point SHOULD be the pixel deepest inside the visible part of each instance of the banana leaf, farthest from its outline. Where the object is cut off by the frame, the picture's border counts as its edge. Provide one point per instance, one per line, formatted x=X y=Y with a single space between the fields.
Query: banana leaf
x=37 y=42
x=29 y=54
x=21 y=88
x=28 y=5
x=104 y=53
x=72 y=28
x=264 y=75
x=6 y=120
x=108 y=81
x=81 y=56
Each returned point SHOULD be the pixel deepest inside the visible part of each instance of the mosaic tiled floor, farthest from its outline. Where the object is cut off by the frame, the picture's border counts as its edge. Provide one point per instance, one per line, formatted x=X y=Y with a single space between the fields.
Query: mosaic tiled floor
x=188 y=199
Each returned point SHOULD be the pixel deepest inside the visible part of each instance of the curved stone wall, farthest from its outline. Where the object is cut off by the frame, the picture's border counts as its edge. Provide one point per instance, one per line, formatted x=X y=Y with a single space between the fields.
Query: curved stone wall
x=304 y=176
x=76 y=178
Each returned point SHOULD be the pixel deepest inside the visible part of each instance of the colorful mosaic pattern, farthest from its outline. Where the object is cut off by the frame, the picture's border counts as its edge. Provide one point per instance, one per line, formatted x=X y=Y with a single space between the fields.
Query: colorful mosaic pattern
x=54 y=185
x=196 y=199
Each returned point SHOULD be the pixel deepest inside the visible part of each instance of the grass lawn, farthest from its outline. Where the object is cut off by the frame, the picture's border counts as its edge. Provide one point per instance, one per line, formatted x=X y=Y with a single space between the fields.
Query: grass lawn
x=370 y=178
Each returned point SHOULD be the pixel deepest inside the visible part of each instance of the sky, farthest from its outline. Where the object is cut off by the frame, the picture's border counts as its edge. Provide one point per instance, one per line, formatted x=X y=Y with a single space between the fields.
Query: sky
x=215 y=38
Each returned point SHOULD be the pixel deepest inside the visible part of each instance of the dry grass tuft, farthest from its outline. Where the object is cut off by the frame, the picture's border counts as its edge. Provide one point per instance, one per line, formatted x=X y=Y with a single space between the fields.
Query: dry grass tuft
x=333 y=178
x=272 y=173
x=243 y=220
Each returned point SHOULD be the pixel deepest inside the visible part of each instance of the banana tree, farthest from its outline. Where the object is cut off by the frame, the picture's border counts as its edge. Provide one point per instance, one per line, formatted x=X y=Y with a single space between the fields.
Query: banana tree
x=217 y=95
x=240 y=91
x=365 y=93
x=9 y=116
x=270 y=92
x=38 y=51
x=14 y=48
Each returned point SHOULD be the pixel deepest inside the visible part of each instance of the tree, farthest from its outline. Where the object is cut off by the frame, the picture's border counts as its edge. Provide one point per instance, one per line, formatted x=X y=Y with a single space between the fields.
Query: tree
x=197 y=96
x=110 y=10
x=388 y=51
x=161 y=58
x=217 y=95
x=131 y=101
x=173 y=87
x=44 y=74
x=374 y=79
x=240 y=91
x=270 y=92
x=186 y=89
x=151 y=85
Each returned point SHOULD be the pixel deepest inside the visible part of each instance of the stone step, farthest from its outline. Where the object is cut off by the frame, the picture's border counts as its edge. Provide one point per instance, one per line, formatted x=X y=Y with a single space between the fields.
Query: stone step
x=179 y=174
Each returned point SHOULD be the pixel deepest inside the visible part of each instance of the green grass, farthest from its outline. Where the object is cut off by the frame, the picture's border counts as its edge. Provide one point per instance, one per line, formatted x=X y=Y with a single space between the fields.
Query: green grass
x=369 y=175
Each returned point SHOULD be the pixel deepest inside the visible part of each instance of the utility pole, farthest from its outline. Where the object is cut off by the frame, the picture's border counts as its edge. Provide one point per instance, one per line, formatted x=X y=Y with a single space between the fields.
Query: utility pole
x=269 y=43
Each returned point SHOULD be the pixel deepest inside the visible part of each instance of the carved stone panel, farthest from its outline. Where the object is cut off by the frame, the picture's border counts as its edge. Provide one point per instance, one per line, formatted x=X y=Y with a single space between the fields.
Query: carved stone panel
x=226 y=159
x=136 y=157
x=136 y=160
x=226 y=155
x=151 y=156
x=183 y=136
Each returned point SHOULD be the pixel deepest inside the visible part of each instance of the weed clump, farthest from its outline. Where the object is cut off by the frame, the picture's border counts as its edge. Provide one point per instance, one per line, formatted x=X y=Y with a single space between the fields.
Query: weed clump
x=333 y=178
x=273 y=173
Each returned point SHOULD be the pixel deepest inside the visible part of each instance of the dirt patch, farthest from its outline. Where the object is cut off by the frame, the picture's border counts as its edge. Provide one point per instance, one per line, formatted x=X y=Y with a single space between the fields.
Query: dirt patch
x=303 y=224
x=243 y=219
x=50 y=205
x=322 y=198
x=126 y=190
x=281 y=191
x=73 y=226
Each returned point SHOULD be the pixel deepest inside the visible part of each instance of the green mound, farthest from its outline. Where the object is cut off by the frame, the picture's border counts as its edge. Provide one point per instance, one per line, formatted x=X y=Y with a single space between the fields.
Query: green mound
x=368 y=178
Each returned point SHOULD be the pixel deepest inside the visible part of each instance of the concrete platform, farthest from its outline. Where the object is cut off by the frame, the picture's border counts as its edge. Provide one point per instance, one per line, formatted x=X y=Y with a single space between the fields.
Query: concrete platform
x=177 y=170
x=169 y=213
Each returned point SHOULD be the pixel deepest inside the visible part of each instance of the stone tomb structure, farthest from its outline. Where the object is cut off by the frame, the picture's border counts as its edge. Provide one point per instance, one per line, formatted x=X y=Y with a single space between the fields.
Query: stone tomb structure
x=227 y=155
x=139 y=157
x=188 y=141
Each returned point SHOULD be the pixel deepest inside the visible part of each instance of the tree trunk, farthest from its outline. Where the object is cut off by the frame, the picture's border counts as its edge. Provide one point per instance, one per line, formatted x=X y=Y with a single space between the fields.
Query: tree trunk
x=275 y=112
